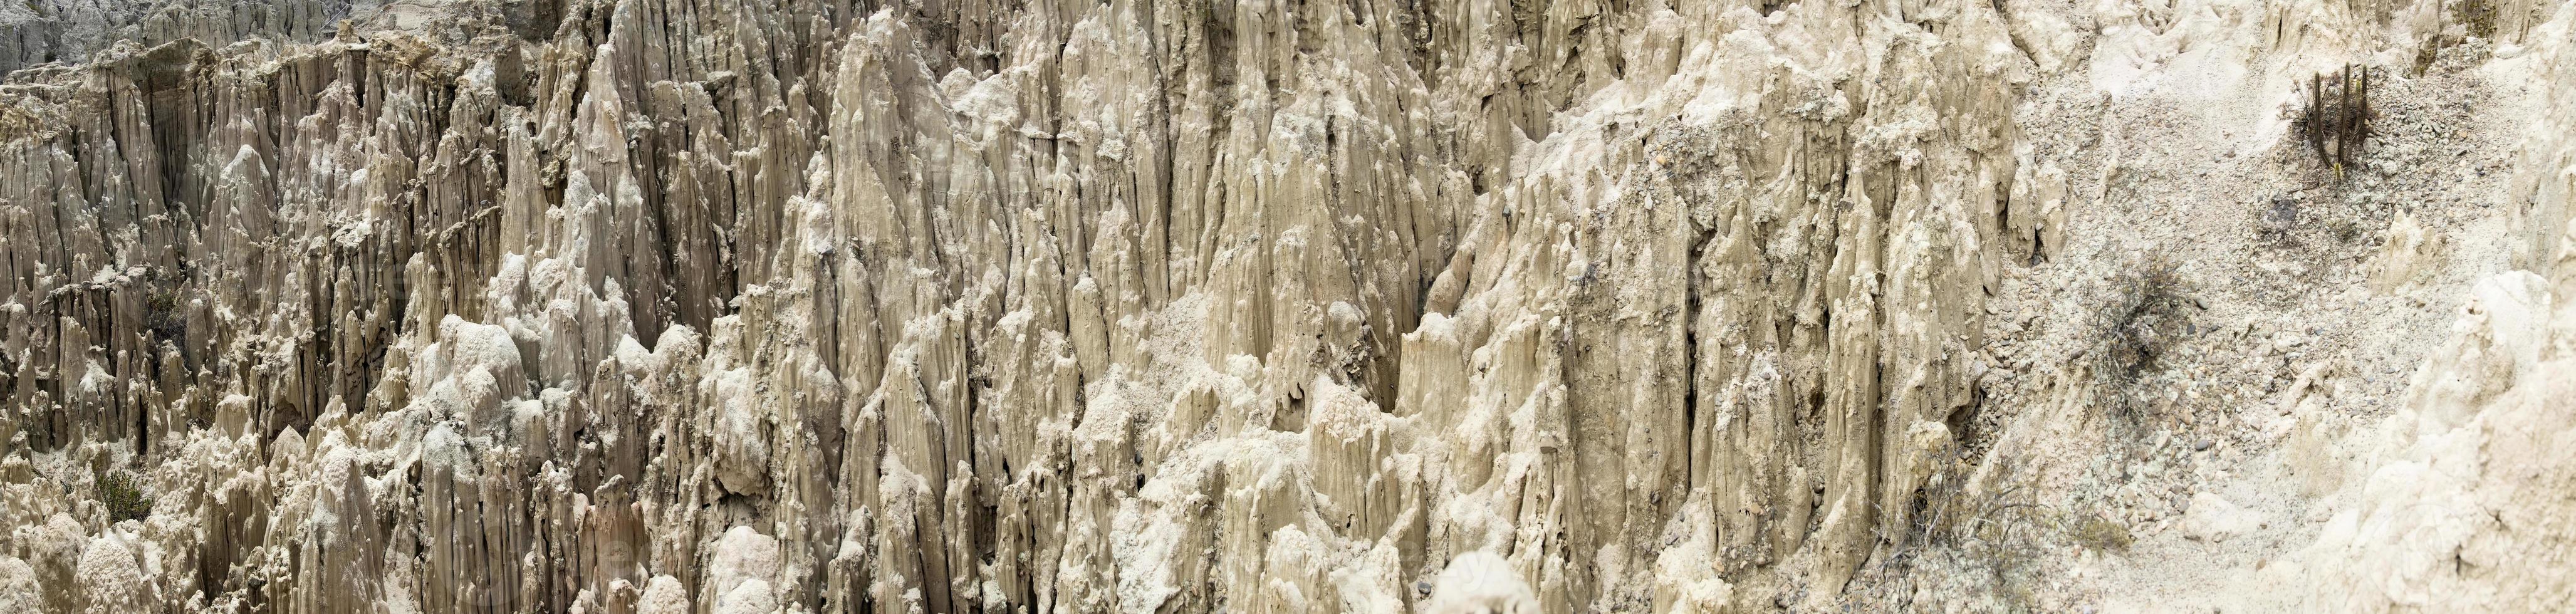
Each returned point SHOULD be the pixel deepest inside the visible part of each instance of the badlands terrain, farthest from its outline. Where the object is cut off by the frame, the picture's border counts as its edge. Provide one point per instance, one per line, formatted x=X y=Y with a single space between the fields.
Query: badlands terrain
x=1060 y=306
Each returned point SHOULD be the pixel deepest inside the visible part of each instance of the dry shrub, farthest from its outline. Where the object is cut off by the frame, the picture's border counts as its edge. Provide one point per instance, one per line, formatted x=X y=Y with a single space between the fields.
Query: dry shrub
x=2147 y=313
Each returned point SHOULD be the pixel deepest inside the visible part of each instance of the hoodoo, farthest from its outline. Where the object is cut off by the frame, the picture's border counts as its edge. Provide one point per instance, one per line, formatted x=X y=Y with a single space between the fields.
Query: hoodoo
x=1070 y=306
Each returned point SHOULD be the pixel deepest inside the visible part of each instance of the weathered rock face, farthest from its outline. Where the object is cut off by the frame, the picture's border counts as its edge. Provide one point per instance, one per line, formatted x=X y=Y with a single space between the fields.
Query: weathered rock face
x=660 y=306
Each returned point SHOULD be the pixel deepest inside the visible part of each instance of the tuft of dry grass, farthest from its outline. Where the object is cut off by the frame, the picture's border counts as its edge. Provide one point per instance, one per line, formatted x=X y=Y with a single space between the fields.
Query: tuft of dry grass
x=2102 y=534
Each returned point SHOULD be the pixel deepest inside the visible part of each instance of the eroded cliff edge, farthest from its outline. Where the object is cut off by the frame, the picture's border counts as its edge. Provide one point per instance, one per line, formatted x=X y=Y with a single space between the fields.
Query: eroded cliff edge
x=712 y=307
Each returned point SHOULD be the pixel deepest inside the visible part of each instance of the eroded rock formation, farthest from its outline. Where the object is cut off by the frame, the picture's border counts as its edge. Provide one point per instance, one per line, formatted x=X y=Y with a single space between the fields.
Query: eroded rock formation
x=668 y=306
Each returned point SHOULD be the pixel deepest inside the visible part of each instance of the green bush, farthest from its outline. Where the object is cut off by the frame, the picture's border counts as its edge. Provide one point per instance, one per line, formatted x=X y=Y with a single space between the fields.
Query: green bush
x=123 y=495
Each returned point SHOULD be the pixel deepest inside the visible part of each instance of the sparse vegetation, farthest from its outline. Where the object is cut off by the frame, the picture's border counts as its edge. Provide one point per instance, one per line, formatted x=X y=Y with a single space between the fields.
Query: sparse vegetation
x=2102 y=534
x=123 y=495
x=2478 y=17
x=1977 y=545
x=162 y=315
x=2274 y=227
x=2477 y=21
x=2146 y=313
x=1959 y=518
x=2336 y=121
